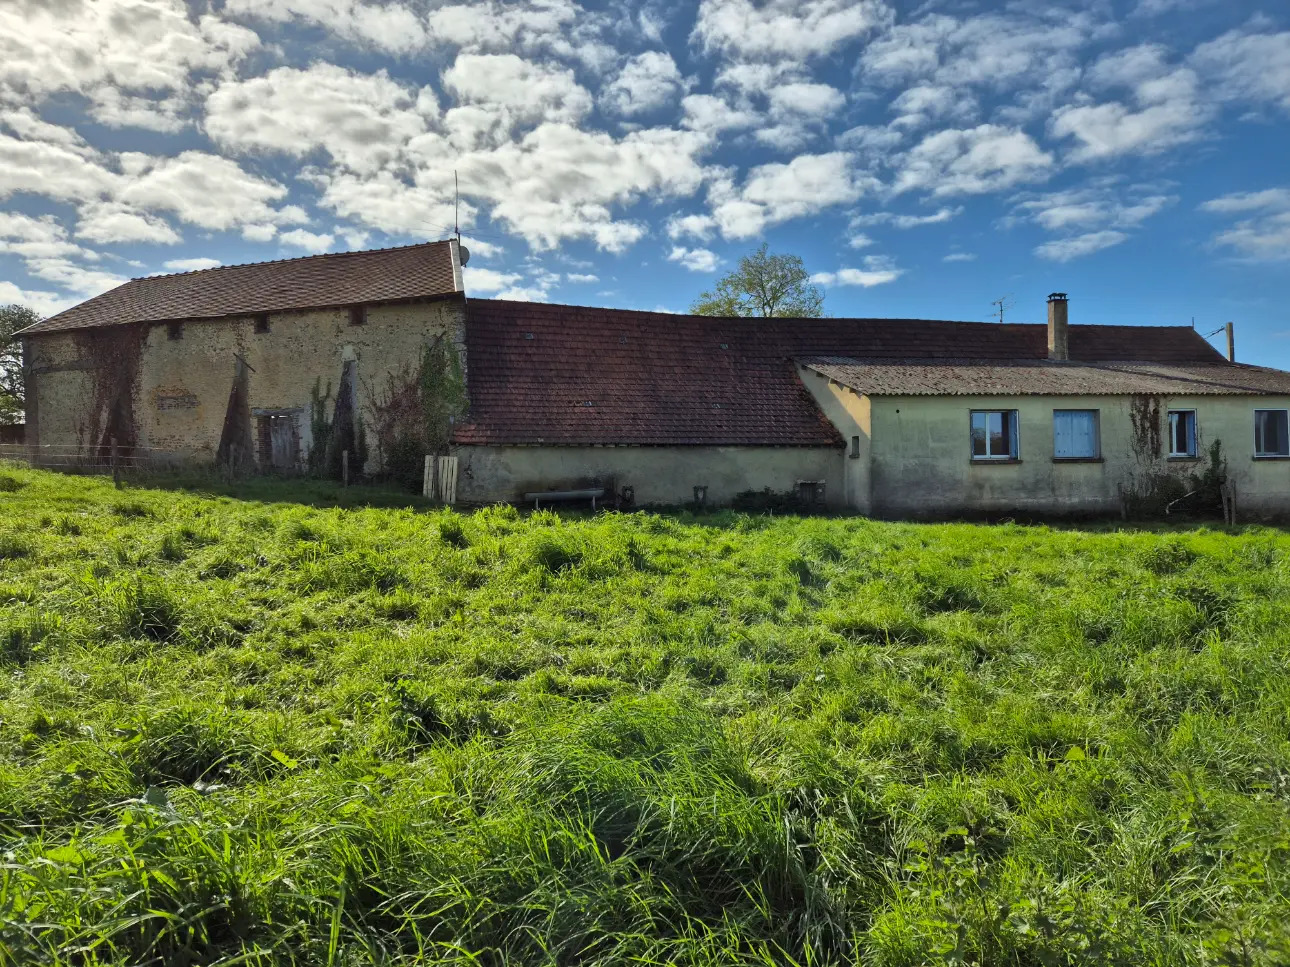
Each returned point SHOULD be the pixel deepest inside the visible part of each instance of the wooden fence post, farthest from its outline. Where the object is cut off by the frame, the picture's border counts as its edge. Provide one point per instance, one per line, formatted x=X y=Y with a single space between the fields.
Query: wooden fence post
x=427 y=479
x=344 y=468
x=116 y=470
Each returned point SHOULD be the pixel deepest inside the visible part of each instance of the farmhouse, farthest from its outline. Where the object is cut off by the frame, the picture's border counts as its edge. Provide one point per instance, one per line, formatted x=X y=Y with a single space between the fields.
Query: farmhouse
x=259 y=363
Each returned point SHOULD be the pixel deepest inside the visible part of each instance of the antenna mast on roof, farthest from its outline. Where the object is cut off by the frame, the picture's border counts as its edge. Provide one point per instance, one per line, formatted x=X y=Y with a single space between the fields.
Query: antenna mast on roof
x=1002 y=304
x=456 y=206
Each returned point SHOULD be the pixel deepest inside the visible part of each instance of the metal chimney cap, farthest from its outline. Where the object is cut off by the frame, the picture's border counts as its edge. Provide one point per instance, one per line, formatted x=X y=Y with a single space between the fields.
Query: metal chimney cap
x=1057 y=297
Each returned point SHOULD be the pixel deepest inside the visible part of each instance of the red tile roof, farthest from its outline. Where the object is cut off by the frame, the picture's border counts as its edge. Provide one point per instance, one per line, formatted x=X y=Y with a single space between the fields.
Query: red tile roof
x=315 y=281
x=944 y=377
x=551 y=374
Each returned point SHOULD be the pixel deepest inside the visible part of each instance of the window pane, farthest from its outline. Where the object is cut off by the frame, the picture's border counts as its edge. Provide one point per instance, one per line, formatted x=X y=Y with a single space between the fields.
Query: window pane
x=1271 y=433
x=1276 y=432
x=978 y=435
x=1182 y=433
x=998 y=435
x=994 y=434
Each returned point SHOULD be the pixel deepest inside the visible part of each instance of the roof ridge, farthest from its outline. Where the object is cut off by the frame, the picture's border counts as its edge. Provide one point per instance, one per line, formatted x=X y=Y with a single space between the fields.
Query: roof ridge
x=555 y=306
x=297 y=258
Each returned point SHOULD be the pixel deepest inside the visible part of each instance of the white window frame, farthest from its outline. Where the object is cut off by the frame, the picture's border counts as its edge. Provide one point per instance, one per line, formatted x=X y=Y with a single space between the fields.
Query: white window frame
x=1014 y=437
x=1268 y=453
x=1097 y=435
x=1195 y=432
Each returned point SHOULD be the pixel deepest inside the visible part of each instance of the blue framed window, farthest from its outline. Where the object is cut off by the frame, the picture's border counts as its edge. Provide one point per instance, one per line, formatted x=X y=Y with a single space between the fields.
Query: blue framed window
x=1271 y=433
x=994 y=435
x=1182 y=433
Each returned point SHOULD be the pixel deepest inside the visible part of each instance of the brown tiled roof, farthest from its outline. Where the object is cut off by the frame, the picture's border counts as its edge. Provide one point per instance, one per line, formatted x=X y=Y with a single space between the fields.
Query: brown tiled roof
x=555 y=374
x=315 y=281
x=945 y=377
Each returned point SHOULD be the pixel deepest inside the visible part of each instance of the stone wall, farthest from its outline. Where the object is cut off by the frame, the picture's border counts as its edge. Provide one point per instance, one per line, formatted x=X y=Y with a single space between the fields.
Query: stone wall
x=185 y=371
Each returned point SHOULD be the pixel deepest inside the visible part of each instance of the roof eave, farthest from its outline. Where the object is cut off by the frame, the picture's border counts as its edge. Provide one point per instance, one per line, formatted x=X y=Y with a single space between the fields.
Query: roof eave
x=33 y=329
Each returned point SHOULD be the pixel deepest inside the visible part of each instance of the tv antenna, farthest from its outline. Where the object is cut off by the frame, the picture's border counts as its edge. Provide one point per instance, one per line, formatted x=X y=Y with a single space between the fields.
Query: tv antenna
x=1003 y=304
x=456 y=206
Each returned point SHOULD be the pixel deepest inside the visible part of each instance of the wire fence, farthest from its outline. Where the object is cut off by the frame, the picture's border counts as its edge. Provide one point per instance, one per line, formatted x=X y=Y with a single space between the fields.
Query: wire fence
x=103 y=460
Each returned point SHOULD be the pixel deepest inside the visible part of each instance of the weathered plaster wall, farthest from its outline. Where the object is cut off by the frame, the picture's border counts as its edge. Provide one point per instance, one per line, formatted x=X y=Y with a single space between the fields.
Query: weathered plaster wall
x=59 y=389
x=852 y=414
x=184 y=384
x=658 y=475
x=921 y=459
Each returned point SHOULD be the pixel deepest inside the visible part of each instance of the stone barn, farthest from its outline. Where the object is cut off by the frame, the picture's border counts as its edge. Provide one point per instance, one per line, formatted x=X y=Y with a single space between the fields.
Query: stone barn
x=244 y=362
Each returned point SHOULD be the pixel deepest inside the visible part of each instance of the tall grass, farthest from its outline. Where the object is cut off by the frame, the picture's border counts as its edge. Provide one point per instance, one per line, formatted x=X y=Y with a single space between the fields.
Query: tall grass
x=252 y=731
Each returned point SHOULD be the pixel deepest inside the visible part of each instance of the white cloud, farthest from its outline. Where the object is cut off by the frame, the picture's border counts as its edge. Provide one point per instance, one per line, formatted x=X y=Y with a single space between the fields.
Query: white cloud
x=361 y=120
x=797 y=29
x=695 y=226
x=878 y=270
x=906 y=221
x=524 y=294
x=355 y=238
x=1164 y=108
x=559 y=182
x=1265 y=234
x=309 y=241
x=202 y=189
x=42 y=237
x=511 y=92
x=44 y=302
x=706 y=112
x=796 y=109
x=859 y=240
x=581 y=278
x=1065 y=249
x=1247 y=65
x=1097 y=206
x=1091 y=218
x=1270 y=199
x=872 y=143
x=1112 y=129
x=259 y=232
x=799 y=98
x=1030 y=52
x=120 y=54
x=419 y=205
x=695 y=259
x=959 y=257
x=973 y=161
x=393 y=27
x=191 y=265
x=647 y=82
x=81 y=279
x=115 y=109
x=775 y=193
x=55 y=170
x=559 y=27
x=488 y=280
x=112 y=222
x=477 y=246
x=925 y=104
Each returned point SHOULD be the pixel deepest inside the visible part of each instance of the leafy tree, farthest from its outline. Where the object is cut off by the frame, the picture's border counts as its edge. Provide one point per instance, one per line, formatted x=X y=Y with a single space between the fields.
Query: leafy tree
x=763 y=285
x=12 y=318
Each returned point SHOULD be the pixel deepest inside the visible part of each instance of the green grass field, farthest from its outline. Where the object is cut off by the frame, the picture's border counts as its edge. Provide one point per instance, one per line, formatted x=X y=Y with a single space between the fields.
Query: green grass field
x=248 y=731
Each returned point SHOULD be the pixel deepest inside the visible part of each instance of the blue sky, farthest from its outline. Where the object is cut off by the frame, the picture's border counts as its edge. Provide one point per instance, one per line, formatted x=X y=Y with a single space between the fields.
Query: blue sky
x=924 y=159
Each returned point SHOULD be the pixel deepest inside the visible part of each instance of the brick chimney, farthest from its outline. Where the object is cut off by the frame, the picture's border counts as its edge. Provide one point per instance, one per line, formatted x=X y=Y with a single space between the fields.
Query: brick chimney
x=1057 y=328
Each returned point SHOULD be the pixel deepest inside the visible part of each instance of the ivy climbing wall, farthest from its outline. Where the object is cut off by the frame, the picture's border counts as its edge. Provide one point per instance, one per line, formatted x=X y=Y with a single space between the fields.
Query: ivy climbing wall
x=169 y=387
